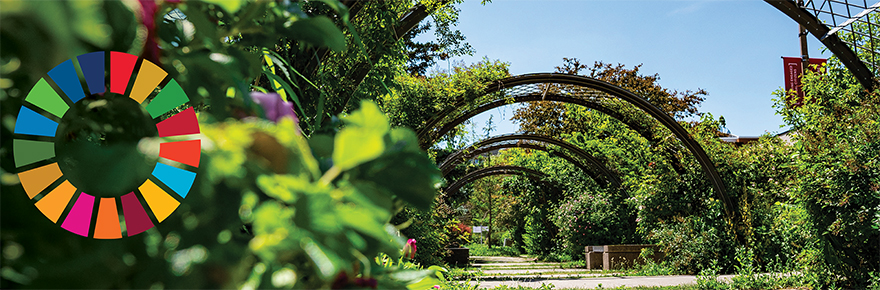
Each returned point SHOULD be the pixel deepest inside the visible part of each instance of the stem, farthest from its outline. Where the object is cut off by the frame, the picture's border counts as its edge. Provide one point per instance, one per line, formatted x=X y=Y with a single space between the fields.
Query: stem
x=364 y=260
x=330 y=175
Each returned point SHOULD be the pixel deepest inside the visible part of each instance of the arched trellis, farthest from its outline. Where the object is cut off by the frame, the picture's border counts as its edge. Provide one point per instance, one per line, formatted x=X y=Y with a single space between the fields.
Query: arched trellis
x=579 y=84
x=644 y=131
x=807 y=15
x=597 y=105
x=541 y=147
x=596 y=169
x=492 y=171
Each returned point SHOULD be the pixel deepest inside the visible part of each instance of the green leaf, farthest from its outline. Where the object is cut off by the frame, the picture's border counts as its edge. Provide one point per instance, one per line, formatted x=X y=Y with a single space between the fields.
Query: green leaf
x=369 y=194
x=326 y=261
x=356 y=146
x=285 y=187
x=286 y=87
x=424 y=284
x=369 y=116
x=89 y=23
x=270 y=185
x=363 y=138
x=405 y=139
x=316 y=211
x=419 y=172
x=230 y=6
x=278 y=57
x=411 y=275
x=338 y=7
x=319 y=31
x=438 y=271
x=363 y=219
x=322 y=145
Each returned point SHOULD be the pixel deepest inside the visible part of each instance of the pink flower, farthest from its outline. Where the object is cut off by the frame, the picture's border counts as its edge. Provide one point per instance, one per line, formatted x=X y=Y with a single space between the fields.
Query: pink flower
x=436 y=286
x=409 y=249
x=149 y=8
x=274 y=107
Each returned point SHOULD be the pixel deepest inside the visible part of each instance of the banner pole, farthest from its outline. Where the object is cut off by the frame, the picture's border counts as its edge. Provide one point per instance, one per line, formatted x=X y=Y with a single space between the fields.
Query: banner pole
x=805 y=54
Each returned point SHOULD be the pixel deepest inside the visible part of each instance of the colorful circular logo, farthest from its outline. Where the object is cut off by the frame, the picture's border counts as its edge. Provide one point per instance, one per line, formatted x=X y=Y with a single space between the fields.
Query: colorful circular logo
x=80 y=142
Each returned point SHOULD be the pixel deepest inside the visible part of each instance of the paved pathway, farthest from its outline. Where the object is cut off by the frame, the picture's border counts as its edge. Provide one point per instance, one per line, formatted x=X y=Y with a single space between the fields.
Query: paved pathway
x=606 y=282
x=494 y=259
x=539 y=271
x=528 y=265
x=519 y=271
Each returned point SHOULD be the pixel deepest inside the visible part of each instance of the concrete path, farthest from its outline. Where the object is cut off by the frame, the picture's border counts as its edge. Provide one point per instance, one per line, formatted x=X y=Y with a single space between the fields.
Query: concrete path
x=538 y=271
x=606 y=282
x=523 y=265
x=521 y=271
x=494 y=259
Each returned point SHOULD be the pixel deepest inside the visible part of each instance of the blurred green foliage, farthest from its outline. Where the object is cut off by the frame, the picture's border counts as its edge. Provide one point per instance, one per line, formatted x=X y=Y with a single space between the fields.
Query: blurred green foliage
x=271 y=207
x=323 y=226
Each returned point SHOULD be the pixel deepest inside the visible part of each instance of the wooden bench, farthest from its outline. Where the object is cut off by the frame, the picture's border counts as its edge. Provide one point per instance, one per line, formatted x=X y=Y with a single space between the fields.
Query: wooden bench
x=614 y=257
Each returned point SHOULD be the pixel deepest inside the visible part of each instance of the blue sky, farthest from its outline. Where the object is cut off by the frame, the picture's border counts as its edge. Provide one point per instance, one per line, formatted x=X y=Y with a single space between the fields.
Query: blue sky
x=732 y=49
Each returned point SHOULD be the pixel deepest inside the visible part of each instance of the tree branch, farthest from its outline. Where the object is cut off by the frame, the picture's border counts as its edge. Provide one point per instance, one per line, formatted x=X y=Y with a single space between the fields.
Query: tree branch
x=406 y=23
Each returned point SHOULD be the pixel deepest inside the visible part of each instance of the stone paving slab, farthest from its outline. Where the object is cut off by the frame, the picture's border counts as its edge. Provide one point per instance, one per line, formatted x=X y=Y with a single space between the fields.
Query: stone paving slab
x=502 y=265
x=494 y=259
x=606 y=282
x=538 y=277
x=536 y=271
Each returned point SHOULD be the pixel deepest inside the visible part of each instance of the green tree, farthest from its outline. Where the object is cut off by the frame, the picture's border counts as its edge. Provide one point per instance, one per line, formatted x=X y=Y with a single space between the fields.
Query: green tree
x=549 y=116
x=836 y=156
x=379 y=46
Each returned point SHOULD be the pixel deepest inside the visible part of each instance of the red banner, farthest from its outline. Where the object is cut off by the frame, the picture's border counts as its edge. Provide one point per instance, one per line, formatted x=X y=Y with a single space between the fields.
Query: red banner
x=793 y=76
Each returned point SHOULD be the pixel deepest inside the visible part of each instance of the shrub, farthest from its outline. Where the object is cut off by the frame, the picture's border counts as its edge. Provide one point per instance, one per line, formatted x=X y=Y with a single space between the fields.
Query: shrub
x=537 y=238
x=691 y=243
x=589 y=219
x=837 y=160
x=431 y=245
x=457 y=233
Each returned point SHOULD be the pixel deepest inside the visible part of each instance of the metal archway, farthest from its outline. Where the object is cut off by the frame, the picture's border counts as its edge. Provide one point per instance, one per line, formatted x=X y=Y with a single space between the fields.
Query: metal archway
x=807 y=15
x=553 y=153
x=633 y=124
x=592 y=104
x=595 y=168
x=576 y=85
x=494 y=170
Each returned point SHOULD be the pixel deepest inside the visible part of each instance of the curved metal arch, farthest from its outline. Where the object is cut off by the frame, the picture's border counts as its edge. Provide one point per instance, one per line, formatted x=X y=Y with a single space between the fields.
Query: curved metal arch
x=642 y=130
x=611 y=91
x=645 y=132
x=480 y=151
x=494 y=170
x=610 y=177
x=829 y=38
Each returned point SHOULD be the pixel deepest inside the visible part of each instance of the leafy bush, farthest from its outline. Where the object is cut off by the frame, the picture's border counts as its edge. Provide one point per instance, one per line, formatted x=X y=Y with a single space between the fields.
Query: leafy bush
x=691 y=243
x=837 y=160
x=651 y=268
x=419 y=225
x=592 y=218
x=456 y=233
x=538 y=237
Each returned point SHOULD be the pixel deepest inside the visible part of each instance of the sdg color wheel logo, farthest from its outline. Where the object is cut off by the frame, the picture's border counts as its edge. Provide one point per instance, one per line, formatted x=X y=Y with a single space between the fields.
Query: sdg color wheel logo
x=80 y=145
